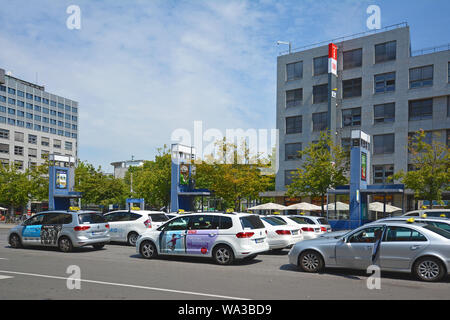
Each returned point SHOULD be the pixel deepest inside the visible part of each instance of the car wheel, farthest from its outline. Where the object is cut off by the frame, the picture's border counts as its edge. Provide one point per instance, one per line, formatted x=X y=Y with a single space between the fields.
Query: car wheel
x=14 y=241
x=148 y=250
x=132 y=239
x=223 y=255
x=310 y=261
x=65 y=245
x=429 y=269
x=98 y=246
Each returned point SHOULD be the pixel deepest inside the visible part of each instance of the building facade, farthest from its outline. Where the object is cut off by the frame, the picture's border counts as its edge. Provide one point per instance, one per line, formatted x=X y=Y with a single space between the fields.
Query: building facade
x=34 y=123
x=121 y=167
x=383 y=89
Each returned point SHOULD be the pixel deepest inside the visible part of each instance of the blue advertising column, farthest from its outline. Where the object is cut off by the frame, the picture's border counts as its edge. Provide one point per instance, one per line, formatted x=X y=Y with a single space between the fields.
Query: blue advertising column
x=182 y=158
x=61 y=182
x=359 y=176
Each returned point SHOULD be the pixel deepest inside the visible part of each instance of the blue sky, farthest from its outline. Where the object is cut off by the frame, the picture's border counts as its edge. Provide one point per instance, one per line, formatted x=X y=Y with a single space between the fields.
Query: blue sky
x=141 y=69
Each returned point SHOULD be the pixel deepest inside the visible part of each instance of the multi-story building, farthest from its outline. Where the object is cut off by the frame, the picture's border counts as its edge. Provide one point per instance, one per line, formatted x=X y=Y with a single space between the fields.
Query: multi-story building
x=383 y=89
x=121 y=167
x=34 y=123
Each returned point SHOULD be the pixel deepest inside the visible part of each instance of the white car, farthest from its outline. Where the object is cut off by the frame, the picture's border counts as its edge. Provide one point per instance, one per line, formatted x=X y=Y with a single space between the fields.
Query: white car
x=222 y=237
x=280 y=235
x=126 y=226
x=172 y=215
x=310 y=226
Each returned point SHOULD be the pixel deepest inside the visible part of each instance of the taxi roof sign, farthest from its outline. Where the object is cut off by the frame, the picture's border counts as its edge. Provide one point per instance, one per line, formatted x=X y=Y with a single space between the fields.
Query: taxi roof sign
x=74 y=209
x=410 y=220
x=135 y=208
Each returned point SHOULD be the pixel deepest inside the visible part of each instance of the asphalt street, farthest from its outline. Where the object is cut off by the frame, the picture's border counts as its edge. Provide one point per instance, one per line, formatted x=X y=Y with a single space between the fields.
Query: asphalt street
x=117 y=272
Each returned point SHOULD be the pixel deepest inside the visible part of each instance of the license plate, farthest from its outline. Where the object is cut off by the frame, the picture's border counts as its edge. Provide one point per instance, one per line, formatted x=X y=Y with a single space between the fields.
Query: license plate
x=295 y=232
x=259 y=240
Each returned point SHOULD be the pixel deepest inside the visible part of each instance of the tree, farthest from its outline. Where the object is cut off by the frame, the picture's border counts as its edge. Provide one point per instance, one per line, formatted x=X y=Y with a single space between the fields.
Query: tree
x=430 y=174
x=324 y=165
x=98 y=188
x=152 y=181
x=14 y=187
x=234 y=174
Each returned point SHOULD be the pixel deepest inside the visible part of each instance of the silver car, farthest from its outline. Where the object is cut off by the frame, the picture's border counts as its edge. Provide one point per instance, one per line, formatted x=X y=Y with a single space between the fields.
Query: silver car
x=420 y=249
x=442 y=223
x=441 y=213
x=62 y=229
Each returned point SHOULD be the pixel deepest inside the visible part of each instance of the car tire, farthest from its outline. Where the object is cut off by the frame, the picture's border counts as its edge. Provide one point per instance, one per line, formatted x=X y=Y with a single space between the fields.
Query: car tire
x=429 y=269
x=132 y=238
x=98 y=246
x=148 y=250
x=223 y=255
x=311 y=261
x=15 y=242
x=65 y=244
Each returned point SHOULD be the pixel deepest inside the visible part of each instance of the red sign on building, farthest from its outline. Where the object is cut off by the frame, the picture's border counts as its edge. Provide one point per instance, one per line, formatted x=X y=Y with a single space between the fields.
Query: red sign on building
x=332 y=59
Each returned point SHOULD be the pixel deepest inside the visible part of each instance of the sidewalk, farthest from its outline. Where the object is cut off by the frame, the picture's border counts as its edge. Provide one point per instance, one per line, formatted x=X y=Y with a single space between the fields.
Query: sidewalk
x=7 y=225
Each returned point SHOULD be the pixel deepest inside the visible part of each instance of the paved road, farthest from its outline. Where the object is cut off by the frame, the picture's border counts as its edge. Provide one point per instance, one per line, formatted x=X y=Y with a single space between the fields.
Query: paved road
x=117 y=272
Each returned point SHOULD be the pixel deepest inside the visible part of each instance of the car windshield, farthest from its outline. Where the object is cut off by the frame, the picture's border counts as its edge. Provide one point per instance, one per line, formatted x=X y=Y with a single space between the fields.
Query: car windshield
x=439 y=231
x=159 y=217
x=274 y=221
x=91 y=218
x=251 y=222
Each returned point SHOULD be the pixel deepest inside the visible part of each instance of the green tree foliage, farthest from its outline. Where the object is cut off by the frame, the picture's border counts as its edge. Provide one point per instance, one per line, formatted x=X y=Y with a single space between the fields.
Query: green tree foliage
x=152 y=181
x=234 y=175
x=324 y=166
x=14 y=187
x=98 y=188
x=431 y=169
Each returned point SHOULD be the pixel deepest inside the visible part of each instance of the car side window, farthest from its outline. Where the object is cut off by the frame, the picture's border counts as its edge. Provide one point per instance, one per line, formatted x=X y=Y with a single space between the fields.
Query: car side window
x=367 y=235
x=225 y=223
x=134 y=216
x=52 y=218
x=111 y=217
x=397 y=234
x=206 y=222
x=36 y=220
x=177 y=224
x=441 y=225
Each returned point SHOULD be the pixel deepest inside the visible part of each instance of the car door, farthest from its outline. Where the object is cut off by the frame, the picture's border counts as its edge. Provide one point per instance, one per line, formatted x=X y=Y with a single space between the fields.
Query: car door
x=356 y=251
x=172 y=239
x=202 y=234
x=112 y=218
x=31 y=232
x=51 y=228
x=119 y=225
x=400 y=246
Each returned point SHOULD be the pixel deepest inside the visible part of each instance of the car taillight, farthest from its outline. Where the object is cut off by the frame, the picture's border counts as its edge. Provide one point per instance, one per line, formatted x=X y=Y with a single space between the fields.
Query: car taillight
x=148 y=223
x=323 y=229
x=307 y=229
x=81 y=228
x=283 y=232
x=107 y=226
x=245 y=234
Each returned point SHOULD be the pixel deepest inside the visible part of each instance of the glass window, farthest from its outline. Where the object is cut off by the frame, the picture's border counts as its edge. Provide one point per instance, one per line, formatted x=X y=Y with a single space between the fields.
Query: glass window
x=351 y=88
x=32 y=153
x=35 y=221
x=442 y=225
x=29 y=106
x=12 y=101
x=11 y=111
x=420 y=109
x=291 y=151
x=20 y=93
x=2 y=120
x=421 y=77
x=439 y=231
x=2 y=88
x=294 y=98
x=294 y=70
x=385 y=51
x=273 y=221
x=11 y=91
x=180 y=223
x=32 y=139
x=293 y=125
x=91 y=218
x=301 y=220
x=225 y=222
x=320 y=65
x=382 y=173
x=4 y=148
x=53 y=103
x=36 y=98
x=4 y=134
x=29 y=115
x=352 y=59
x=251 y=222
x=2 y=98
x=2 y=109
x=20 y=104
x=385 y=82
x=320 y=93
x=18 y=136
x=398 y=234
x=18 y=150
x=68 y=145
x=45 y=141
x=367 y=235
x=206 y=222
x=320 y=121
x=29 y=96
x=158 y=217
x=351 y=117
x=383 y=144
x=45 y=101
x=384 y=113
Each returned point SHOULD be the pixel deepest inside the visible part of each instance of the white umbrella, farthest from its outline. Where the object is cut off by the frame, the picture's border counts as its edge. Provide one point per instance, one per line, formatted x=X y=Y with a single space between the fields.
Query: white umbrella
x=340 y=206
x=268 y=206
x=3 y=209
x=304 y=206
x=379 y=207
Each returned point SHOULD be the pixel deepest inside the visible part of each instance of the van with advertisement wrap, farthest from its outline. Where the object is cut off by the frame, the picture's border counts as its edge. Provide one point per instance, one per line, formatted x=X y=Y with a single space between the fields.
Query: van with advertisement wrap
x=224 y=237
x=63 y=229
